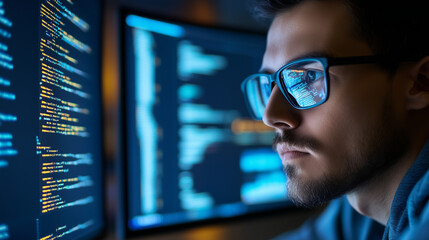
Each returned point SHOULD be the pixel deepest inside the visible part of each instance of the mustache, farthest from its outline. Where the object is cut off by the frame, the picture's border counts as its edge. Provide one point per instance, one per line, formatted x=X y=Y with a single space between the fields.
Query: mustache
x=291 y=139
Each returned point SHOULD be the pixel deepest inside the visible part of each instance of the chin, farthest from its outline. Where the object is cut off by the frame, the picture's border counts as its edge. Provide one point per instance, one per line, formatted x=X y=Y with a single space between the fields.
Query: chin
x=312 y=192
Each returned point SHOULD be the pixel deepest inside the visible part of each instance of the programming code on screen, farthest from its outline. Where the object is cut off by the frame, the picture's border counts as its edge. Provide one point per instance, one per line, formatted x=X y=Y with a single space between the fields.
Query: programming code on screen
x=50 y=120
x=193 y=152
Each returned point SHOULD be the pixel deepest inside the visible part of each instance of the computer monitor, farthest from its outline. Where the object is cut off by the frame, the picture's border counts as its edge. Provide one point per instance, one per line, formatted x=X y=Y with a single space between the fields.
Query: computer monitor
x=191 y=150
x=51 y=179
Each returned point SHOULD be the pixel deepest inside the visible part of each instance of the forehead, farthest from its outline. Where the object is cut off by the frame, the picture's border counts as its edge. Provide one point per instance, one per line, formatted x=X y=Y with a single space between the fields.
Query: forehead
x=312 y=26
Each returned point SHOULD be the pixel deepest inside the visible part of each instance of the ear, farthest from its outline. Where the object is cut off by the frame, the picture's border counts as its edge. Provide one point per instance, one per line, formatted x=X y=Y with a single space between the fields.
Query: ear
x=418 y=92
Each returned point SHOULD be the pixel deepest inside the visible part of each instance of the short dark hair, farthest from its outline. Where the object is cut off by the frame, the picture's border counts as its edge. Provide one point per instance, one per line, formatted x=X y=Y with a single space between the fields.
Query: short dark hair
x=393 y=28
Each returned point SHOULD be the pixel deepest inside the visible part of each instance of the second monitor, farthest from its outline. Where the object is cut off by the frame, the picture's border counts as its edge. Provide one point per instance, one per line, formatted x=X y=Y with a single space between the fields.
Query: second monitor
x=192 y=151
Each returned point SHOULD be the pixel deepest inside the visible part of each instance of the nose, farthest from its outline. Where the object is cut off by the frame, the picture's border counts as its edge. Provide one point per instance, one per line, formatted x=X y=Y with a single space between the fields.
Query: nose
x=279 y=114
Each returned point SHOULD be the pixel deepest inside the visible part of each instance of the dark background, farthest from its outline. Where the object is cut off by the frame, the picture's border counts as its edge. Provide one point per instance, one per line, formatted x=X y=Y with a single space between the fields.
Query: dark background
x=224 y=13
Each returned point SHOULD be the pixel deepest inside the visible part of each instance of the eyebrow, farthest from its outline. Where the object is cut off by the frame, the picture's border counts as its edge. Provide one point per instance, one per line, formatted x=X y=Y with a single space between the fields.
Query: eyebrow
x=315 y=54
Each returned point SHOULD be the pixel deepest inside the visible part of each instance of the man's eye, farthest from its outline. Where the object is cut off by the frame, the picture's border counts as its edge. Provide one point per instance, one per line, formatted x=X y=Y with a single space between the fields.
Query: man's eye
x=313 y=75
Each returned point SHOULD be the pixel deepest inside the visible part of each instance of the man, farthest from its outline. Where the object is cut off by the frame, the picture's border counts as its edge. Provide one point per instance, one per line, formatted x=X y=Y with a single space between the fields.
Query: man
x=345 y=84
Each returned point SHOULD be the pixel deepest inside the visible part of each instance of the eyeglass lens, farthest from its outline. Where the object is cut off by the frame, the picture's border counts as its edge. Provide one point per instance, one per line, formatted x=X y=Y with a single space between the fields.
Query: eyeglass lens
x=304 y=84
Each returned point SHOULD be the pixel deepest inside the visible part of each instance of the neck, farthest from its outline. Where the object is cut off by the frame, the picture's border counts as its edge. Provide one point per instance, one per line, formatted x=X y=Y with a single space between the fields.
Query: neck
x=374 y=198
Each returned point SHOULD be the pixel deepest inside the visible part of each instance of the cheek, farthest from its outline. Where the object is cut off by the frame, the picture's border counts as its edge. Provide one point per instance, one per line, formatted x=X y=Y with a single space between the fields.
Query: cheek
x=336 y=137
x=360 y=95
x=340 y=125
x=355 y=104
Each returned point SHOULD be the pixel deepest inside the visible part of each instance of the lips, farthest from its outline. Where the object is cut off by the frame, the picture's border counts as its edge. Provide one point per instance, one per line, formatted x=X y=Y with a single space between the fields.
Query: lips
x=289 y=153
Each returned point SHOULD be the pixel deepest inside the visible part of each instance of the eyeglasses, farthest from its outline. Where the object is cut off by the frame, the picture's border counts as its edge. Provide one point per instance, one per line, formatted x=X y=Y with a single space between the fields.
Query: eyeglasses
x=303 y=82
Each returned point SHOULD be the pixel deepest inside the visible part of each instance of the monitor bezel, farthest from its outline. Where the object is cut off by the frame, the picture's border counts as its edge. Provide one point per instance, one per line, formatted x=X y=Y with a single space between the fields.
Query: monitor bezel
x=102 y=232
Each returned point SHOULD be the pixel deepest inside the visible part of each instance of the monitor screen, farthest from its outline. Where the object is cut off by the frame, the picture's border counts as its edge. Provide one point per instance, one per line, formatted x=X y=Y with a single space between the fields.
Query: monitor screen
x=191 y=150
x=51 y=179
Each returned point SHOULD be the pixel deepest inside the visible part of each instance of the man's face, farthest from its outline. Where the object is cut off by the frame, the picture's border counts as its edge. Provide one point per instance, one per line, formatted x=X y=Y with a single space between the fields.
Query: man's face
x=333 y=148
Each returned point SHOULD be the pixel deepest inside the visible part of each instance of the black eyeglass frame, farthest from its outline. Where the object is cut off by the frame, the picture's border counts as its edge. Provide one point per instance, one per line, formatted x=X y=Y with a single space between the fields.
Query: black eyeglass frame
x=326 y=62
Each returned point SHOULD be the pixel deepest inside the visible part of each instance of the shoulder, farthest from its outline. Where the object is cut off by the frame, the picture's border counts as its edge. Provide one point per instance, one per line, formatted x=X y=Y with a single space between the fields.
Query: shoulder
x=410 y=200
x=418 y=211
x=418 y=205
x=418 y=199
x=420 y=229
